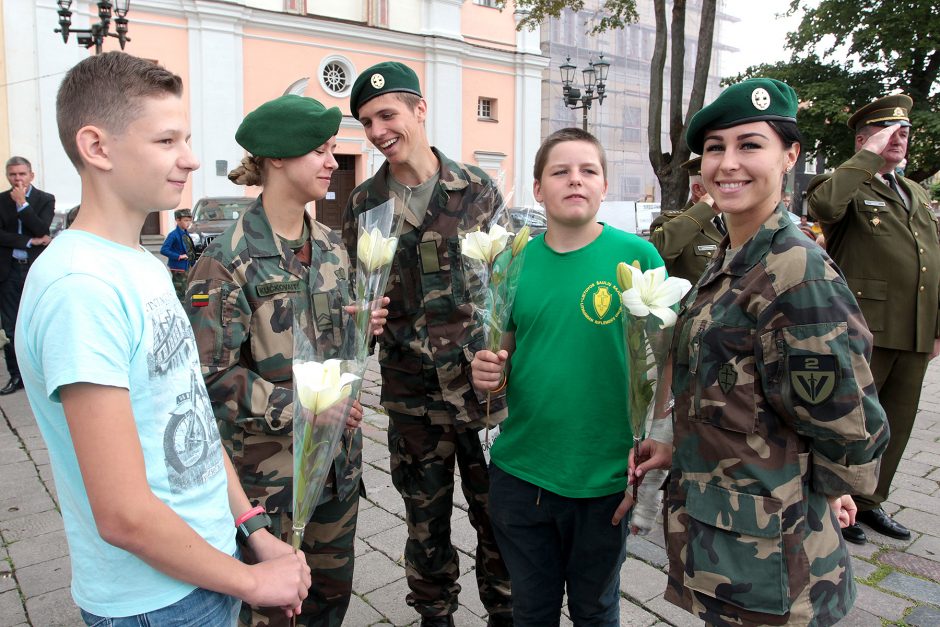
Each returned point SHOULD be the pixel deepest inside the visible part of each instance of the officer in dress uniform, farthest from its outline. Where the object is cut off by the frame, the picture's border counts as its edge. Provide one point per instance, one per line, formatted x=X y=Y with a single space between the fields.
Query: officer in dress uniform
x=880 y=230
x=688 y=239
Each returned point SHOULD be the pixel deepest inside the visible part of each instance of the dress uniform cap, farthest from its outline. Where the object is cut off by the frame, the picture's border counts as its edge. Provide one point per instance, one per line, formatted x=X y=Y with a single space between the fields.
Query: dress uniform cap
x=886 y=111
x=382 y=78
x=693 y=165
x=179 y=214
x=289 y=126
x=753 y=100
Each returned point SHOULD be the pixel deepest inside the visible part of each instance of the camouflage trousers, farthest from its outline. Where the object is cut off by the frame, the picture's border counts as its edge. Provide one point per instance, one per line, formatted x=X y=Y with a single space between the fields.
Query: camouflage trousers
x=423 y=456
x=180 y=280
x=328 y=544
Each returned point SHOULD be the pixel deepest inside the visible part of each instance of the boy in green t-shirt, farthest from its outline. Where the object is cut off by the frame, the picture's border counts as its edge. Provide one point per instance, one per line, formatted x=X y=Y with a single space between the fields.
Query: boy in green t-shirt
x=559 y=467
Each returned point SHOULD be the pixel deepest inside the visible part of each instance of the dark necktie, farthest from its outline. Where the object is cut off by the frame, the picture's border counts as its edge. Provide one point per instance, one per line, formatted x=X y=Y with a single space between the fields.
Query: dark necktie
x=893 y=184
x=720 y=225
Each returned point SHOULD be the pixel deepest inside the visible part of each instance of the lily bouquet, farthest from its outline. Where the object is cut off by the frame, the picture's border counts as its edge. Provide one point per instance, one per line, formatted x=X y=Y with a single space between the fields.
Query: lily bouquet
x=649 y=299
x=326 y=383
x=379 y=229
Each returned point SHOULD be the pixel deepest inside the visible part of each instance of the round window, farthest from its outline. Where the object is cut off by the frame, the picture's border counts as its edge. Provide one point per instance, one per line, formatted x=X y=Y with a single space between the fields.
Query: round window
x=336 y=76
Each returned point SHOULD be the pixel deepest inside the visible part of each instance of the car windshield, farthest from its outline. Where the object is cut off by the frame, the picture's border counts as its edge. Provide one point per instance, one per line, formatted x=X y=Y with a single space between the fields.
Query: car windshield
x=220 y=208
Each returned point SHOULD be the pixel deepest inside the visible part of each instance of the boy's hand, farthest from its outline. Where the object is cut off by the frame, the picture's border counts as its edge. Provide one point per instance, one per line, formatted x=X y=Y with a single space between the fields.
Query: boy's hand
x=378 y=317
x=487 y=369
x=266 y=547
x=845 y=509
x=281 y=581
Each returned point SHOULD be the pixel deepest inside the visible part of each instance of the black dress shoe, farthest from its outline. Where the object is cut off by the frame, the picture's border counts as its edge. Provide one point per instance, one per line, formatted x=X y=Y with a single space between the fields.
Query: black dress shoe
x=499 y=620
x=882 y=523
x=16 y=383
x=437 y=621
x=854 y=534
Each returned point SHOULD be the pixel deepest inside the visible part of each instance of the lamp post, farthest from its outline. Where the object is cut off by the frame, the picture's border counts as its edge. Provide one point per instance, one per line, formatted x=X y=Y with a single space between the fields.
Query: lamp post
x=595 y=80
x=95 y=35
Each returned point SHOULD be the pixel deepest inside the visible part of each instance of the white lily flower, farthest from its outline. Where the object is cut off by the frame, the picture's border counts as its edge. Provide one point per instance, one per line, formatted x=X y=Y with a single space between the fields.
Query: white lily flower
x=651 y=292
x=375 y=251
x=484 y=246
x=320 y=386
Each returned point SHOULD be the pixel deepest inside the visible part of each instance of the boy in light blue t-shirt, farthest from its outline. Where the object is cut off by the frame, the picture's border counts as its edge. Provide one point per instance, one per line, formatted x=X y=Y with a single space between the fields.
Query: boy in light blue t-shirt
x=559 y=468
x=149 y=497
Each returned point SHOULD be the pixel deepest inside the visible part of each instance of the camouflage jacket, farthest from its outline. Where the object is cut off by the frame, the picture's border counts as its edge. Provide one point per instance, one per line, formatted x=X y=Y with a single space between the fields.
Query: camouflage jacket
x=687 y=240
x=890 y=256
x=431 y=334
x=775 y=411
x=256 y=286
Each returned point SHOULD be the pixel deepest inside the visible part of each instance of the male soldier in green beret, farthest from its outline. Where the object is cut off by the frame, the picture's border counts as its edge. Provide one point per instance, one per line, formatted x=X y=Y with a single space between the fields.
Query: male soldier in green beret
x=688 y=239
x=429 y=340
x=880 y=230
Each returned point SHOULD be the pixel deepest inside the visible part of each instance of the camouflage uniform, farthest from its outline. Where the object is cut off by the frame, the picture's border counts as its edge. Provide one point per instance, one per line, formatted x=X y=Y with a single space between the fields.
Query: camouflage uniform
x=687 y=240
x=436 y=414
x=775 y=411
x=256 y=286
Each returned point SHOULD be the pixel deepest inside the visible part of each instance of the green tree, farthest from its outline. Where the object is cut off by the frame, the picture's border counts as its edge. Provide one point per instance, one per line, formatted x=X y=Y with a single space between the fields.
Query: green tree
x=673 y=179
x=889 y=45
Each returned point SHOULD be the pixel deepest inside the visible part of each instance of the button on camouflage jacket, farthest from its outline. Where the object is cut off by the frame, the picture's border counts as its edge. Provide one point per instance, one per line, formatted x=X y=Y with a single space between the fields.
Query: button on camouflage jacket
x=775 y=411
x=431 y=333
x=243 y=295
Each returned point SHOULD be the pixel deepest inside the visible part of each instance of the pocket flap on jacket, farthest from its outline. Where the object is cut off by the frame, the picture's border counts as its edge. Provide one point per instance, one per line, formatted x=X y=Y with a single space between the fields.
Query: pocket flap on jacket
x=747 y=514
x=874 y=289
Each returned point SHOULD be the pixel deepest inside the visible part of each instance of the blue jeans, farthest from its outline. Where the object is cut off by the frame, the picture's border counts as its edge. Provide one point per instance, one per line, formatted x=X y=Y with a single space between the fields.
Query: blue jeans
x=200 y=608
x=551 y=542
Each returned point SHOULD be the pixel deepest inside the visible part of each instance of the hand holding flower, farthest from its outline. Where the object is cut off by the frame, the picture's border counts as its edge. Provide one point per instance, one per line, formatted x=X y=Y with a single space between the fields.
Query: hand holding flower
x=488 y=369
x=354 y=419
x=378 y=314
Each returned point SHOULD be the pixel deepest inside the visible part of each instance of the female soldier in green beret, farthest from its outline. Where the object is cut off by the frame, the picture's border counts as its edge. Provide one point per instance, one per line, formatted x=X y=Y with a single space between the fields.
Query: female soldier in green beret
x=776 y=414
x=273 y=265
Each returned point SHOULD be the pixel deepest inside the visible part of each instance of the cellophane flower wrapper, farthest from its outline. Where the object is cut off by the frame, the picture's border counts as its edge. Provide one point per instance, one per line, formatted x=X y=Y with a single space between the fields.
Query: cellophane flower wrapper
x=379 y=230
x=327 y=376
x=493 y=261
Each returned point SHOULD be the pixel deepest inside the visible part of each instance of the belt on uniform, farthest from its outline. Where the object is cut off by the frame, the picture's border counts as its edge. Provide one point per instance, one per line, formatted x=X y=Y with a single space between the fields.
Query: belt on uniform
x=22 y=261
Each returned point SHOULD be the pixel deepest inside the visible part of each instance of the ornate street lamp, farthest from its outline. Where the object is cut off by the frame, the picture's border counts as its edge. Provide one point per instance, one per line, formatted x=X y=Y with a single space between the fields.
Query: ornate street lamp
x=595 y=79
x=95 y=35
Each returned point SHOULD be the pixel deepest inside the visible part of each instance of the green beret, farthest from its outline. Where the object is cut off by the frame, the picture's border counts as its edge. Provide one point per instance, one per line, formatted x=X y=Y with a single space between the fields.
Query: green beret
x=886 y=111
x=382 y=78
x=179 y=214
x=693 y=165
x=753 y=100
x=289 y=126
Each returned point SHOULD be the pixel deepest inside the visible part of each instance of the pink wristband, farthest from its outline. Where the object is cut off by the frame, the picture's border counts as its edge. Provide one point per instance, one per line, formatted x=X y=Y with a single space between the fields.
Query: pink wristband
x=254 y=511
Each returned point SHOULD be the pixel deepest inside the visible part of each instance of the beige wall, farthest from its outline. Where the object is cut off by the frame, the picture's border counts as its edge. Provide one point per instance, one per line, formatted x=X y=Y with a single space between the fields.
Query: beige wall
x=4 y=112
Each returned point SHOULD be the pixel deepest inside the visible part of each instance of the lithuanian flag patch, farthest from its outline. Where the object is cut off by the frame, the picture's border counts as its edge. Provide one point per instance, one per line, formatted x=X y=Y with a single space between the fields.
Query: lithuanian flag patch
x=200 y=300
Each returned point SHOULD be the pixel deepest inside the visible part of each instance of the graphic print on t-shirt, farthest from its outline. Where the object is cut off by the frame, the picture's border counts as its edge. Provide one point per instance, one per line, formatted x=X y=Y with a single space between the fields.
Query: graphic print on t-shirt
x=600 y=302
x=191 y=445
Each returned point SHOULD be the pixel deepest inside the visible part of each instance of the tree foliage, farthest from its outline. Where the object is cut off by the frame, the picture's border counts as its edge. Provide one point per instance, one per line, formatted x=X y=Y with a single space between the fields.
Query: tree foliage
x=614 y=13
x=888 y=46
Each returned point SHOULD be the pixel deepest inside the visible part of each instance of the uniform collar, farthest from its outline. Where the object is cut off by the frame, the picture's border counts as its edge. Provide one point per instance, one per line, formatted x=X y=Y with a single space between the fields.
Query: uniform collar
x=261 y=241
x=754 y=249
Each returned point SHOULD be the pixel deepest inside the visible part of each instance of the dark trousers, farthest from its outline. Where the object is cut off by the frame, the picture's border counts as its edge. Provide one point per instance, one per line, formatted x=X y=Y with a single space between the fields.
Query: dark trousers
x=899 y=376
x=423 y=456
x=11 y=288
x=550 y=543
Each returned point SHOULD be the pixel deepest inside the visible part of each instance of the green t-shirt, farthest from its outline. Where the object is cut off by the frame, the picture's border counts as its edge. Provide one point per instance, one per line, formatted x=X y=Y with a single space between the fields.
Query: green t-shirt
x=568 y=429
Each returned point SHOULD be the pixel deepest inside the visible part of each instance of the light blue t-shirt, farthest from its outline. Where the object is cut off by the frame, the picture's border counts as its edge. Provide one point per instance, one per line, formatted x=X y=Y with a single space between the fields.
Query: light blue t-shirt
x=94 y=311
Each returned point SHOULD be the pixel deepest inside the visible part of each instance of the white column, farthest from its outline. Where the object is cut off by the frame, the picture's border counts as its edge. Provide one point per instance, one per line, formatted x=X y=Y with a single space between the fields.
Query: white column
x=441 y=18
x=443 y=89
x=529 y=66
x=216 y=90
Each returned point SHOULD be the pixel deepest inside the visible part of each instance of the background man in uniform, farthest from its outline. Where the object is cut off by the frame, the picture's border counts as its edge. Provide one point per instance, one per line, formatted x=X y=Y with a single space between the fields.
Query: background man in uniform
x=25 y=215
x=430 y=336
x=880 y=231
x=178 y=249
x=688 y=239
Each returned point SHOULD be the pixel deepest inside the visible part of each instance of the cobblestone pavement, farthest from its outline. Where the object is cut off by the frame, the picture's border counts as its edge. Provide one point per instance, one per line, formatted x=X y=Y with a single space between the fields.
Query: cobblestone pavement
x=897 y=581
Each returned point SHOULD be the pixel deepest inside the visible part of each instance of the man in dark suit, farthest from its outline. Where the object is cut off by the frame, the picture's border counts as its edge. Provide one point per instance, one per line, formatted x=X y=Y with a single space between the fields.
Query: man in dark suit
x=25 y=215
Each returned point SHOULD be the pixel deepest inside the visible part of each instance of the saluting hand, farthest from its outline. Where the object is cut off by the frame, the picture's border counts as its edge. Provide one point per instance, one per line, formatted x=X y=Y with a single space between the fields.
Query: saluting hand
x=877 y=142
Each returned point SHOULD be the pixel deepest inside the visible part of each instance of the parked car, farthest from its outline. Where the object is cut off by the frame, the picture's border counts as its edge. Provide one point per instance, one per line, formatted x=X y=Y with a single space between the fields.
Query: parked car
x=533 y=217
x=211 y=216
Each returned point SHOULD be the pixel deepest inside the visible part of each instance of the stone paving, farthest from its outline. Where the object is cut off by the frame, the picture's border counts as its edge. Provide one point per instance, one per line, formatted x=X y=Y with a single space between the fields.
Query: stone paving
x=899 y=582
